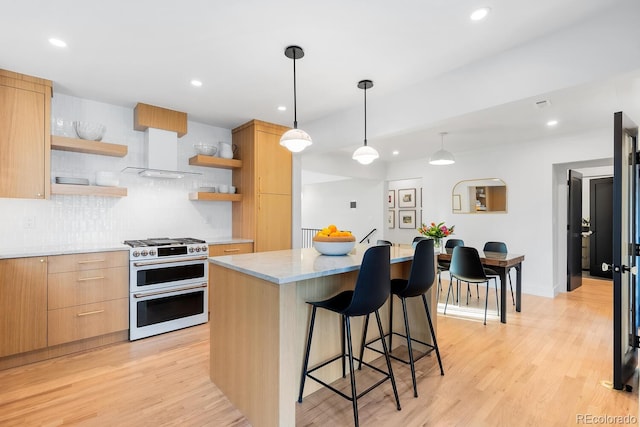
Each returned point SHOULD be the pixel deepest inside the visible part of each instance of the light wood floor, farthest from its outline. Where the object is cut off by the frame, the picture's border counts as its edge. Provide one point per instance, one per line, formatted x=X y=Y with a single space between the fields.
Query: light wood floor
x=544 y=368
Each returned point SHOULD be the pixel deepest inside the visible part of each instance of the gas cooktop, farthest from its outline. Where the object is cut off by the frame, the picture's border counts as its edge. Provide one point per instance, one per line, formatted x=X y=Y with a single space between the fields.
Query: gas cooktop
x=162 y=241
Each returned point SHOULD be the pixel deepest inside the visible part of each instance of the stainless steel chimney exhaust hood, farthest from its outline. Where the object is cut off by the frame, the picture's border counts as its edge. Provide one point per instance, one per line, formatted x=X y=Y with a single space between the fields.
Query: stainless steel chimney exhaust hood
x=161 y=127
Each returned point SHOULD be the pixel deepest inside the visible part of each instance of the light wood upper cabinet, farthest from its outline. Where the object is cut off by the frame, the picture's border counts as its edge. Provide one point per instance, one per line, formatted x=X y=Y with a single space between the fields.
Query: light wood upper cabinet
x=264 y=180
x=23 y=305
x=25 y=110
x=273 y=163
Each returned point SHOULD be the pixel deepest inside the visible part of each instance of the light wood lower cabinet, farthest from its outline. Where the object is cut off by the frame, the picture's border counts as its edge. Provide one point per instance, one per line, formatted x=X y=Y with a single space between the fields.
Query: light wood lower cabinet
x=88 y=295
x=23 y=305
x=230 y=249
x=88 y=261
x=86 y=287
x=88 y=320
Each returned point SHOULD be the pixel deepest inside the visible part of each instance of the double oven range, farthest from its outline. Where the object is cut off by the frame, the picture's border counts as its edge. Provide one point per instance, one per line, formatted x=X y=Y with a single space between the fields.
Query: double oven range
x=168 y=285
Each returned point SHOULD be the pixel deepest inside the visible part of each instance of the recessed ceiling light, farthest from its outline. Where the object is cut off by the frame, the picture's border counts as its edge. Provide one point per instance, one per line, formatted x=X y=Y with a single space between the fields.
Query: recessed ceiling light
x=57 y=42
x=196 y=83
x=479 y=14
x=552 y=123
x=282 y=108
x=395 y=152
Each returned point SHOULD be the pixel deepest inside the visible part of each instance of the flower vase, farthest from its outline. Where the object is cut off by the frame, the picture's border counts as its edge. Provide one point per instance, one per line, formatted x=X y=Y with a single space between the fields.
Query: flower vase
x=437 y=245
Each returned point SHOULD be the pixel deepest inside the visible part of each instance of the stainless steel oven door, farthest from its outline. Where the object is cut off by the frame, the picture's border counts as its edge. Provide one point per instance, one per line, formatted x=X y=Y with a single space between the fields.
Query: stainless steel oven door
x=147 y=275
x=168 y=309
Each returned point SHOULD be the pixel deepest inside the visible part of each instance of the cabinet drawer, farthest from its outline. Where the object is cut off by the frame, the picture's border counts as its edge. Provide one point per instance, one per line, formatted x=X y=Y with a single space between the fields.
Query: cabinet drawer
x=89 y=320
x=230 y=249
x=88 y=261
x=86 y=287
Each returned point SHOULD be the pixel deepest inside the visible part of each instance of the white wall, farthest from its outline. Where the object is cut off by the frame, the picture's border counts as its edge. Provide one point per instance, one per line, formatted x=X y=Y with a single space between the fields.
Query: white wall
x=535 y=207
x=329 y=203
x=153 y=208
x=398 y=234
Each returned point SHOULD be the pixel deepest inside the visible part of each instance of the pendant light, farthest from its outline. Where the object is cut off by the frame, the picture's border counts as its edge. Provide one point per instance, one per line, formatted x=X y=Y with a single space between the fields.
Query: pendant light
x=295 y=140
x=442 y=156
x=365 y=154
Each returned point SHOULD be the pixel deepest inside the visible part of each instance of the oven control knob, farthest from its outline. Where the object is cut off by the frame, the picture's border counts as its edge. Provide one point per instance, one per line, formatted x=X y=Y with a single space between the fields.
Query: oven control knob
x=205 y=249
x=198 y=249
x=191 y=249
x=136 y=254
x=144 y=252
x=152 y=252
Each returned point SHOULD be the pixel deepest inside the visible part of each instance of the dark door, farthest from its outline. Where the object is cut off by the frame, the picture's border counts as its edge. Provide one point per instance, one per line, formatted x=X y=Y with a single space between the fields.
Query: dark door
x=625 y=248
x=601 y=216
x=574 y=231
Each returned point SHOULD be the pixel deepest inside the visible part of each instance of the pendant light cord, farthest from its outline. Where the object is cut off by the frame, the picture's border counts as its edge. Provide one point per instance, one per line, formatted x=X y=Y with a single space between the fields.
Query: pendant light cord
x=365 y=115
x=295 y=108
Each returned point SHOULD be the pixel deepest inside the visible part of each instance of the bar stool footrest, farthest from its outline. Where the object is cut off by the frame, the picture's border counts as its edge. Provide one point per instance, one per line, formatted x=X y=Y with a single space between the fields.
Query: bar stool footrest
x=431 y=348
x=355 y=359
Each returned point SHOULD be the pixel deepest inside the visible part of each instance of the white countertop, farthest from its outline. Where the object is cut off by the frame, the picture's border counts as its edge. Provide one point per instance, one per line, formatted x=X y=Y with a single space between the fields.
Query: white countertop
x=66 y=249
x=49 y=250
x=291 y=265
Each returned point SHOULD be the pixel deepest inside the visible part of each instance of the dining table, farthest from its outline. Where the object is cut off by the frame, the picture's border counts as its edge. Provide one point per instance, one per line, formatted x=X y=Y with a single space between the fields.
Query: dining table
x=501 y=263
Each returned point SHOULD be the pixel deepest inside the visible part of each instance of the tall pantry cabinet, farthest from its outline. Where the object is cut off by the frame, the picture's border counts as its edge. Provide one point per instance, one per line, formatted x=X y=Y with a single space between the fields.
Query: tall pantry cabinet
x=25 y=137
x=264 y=180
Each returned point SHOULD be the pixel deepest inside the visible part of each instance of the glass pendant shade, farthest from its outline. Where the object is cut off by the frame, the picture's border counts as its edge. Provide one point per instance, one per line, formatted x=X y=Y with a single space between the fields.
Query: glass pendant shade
x=295 y=140
x=365 y=155
x=442 y=157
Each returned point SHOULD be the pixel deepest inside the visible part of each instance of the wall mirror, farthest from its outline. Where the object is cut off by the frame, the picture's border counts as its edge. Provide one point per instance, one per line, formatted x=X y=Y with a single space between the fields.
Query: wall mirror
x=478 y=196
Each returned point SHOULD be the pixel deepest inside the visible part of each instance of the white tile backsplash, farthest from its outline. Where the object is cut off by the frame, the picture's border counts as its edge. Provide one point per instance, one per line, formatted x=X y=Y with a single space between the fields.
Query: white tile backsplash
x=153 y=207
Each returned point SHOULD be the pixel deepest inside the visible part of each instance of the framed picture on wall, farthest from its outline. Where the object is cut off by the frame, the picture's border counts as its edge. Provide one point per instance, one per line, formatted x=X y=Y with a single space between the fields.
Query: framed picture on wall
x=392 y=199
x=391 y=219
x=407 y=198
x=406 y=219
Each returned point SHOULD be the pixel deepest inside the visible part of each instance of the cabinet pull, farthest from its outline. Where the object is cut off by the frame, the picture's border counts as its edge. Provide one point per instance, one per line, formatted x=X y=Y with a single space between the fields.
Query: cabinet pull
x=90 y=261
x=87 y=313
x=86 y=279
x=232 y=250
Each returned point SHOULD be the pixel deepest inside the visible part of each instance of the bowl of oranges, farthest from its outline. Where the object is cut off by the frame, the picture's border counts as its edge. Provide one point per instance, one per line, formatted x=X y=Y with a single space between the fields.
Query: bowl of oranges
x=332 y=241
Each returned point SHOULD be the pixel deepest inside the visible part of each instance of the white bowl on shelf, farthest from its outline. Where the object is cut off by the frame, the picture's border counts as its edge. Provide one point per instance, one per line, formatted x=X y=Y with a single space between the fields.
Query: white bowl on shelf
x=89 y=130
x=205 y=149
x=334 y=248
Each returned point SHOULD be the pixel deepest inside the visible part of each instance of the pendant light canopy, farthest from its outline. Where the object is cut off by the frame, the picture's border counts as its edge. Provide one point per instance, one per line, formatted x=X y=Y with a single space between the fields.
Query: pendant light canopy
x=442 y=156
x=365 y=154
x=295 y=140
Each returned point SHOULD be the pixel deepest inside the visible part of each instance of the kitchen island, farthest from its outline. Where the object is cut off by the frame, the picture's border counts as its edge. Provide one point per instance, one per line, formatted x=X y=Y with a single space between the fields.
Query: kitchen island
x=259 y=321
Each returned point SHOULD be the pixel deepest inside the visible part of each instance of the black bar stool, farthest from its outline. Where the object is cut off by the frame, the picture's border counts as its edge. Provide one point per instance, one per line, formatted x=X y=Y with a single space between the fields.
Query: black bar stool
x=420 y=281
x=371 y=291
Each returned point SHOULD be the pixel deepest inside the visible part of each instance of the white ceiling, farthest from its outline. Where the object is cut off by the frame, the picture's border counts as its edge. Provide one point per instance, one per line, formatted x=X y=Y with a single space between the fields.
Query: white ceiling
x=417 y=52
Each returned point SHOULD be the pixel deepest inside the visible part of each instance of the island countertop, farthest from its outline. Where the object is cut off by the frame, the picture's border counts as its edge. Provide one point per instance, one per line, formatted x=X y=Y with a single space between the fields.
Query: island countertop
x=291 y=265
